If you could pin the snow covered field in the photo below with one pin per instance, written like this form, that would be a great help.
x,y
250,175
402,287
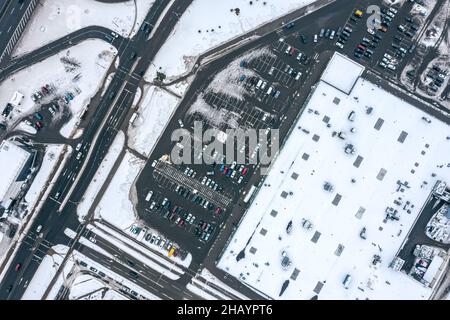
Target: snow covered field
x,y
81,67
392,143
101,175
220,21
154,113
45,273
86,287
115,205
55,19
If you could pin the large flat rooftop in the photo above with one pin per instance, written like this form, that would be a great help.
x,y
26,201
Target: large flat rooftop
x,y
392,143
12,160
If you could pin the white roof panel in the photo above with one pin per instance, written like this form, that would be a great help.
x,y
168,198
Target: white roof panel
x,y
12,160
342,72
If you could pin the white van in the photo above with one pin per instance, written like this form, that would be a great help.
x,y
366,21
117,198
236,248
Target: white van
x,y
149,196
269,91
258,85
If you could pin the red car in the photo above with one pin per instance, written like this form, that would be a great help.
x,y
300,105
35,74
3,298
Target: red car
x,y
225,170
244,171
218,211
18,266
39,124
360,46
181,223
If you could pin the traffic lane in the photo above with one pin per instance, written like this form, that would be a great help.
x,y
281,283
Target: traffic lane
x,y
29,262
58,45
127,259
10,21
146,279
48,202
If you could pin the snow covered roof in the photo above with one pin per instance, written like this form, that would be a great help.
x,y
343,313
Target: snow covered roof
x,y
342,72
433,269
391,145
17,98
12,160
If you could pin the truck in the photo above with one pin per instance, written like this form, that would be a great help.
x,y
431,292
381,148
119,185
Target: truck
x,y
133,118
149,196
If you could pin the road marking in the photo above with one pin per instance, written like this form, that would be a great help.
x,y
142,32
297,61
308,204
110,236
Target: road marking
x,y
14,8
9,29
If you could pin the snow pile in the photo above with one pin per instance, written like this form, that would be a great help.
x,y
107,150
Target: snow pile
x,y
101,175
220,118
227,81
115,205
220,21
437,26
53,20
154,113
79,70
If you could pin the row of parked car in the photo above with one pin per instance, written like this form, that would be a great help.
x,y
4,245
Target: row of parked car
x,y
234,171
158,241
204,230
39,94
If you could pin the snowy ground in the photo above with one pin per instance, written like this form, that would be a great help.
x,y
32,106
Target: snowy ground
x,y
219,22
115,205
154,112
204,289
101,175
332,248
71,274
46,272
53,20
86,287
90,60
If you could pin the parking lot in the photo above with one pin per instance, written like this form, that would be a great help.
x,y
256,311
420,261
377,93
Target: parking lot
x,y
190,203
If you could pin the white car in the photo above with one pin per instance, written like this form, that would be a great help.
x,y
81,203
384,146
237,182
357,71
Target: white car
x,y
288,50
79,155
382,64
388,56
92,239
39,228
28,123
298,76
390,14
371,31
391,67
78,147
340,45
315,38
180,123
52,112
393,10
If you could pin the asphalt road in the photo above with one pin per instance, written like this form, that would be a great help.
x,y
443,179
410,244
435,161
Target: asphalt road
x,y
11,14
123,86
